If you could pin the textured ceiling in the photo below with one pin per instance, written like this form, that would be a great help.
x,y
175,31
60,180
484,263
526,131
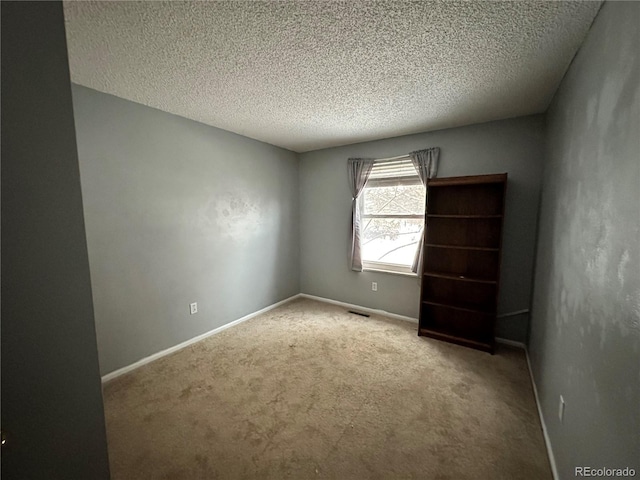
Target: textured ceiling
x,y
309,75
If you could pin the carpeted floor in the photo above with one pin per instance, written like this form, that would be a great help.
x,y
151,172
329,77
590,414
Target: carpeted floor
x,y
308,390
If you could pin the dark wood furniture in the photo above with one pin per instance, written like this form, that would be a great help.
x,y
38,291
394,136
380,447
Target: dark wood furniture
x,y
461,267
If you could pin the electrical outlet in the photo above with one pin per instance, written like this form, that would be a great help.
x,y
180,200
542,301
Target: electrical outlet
x,y
561,409
374,286
193,307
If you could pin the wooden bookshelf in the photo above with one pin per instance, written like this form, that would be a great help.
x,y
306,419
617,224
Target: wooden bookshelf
x,y
461,269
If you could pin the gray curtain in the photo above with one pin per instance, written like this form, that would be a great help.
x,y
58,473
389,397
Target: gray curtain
x,y
426,163
359,171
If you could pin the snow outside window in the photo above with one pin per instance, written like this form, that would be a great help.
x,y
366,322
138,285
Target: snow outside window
x,y
392,208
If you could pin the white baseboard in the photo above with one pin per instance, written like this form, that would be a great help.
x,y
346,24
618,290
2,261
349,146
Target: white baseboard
x,y
180,346
547,441
512,343
360,308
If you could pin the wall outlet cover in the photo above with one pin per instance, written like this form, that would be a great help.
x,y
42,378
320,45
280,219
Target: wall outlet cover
x,y
374,286
193,307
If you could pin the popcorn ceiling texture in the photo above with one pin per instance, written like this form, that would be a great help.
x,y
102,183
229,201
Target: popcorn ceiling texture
x,y
310,75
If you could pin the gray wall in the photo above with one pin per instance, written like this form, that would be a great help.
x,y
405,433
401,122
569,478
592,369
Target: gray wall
x,y
514,146
179,212
52,408
585,329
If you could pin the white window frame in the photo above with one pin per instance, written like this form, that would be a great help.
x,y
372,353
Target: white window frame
x,y
369,265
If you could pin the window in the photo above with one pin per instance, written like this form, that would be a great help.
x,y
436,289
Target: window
x,y
392,214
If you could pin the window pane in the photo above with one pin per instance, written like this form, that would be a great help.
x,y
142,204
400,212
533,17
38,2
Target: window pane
x,y
390,240
394,200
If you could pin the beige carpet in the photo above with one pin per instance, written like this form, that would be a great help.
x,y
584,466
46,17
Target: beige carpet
x,y
310,391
